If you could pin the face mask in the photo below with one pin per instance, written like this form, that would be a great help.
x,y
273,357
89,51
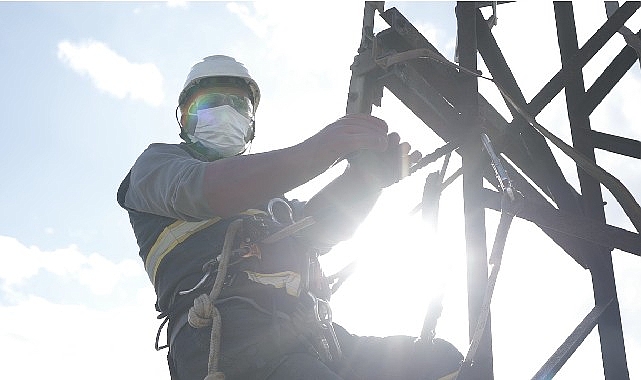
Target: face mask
x,y
222,129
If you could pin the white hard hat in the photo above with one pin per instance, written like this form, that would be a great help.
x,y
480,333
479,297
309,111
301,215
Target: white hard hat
x,y
220,66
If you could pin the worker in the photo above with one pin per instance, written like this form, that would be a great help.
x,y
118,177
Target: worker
x,y
274,319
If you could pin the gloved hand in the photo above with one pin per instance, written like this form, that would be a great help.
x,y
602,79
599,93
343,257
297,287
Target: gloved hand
x,y
347,135
382,169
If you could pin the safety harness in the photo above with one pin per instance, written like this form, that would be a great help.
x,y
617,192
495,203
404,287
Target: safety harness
x,y
175,234
234,277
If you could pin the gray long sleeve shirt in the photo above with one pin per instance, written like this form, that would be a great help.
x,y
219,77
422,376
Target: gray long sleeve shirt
x,y
166,180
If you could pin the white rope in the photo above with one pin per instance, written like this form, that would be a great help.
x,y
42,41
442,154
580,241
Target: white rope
x,y
204,311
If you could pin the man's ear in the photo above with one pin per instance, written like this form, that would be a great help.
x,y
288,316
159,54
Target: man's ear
x,y
252,129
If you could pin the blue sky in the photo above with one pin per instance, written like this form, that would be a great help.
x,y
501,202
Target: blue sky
x,y
87,86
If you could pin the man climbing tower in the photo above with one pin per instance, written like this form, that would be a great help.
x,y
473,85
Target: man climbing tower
x,y
235,264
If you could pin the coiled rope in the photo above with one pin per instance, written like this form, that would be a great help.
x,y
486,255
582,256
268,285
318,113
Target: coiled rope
x,y
204,312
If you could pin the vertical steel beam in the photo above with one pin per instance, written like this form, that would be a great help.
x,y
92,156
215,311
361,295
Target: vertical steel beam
x,y
363,91
474,209
603,283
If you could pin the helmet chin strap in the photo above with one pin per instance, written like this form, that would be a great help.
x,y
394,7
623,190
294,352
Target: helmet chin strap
x,y
201,152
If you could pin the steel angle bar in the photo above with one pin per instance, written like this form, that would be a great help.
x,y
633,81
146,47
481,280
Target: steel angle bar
x,y
423,100
403,36
496,63
620,192
617,144
587,51
609,78
405,30
569,346
601,269
630,38
531,153
548,218
528,149
574,247
362,91
475,231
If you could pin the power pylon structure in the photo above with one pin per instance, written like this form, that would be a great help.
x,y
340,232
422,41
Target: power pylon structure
x,y
445,96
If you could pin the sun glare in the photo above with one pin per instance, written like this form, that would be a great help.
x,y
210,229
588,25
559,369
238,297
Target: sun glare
x,y
401,266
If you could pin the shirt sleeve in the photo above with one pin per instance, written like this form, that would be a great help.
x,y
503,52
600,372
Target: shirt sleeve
x,y
167,181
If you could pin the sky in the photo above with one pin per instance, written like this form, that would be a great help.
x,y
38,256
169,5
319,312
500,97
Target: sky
x,y
87,86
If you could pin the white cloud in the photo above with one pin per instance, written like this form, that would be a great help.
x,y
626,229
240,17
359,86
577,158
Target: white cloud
x,y
255,24
313,56
280,25
74,342
112,73
19,263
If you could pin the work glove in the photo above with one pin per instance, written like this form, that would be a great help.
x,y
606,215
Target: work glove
x,y
382,169
346,136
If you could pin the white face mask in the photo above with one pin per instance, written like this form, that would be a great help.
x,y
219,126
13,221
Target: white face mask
x,y
222,129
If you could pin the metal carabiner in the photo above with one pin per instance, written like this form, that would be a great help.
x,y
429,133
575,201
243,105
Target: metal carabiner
x,y
270,210
323,314
197,286
499,170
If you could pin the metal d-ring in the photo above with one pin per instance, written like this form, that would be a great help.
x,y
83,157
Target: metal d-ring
x,y
270,210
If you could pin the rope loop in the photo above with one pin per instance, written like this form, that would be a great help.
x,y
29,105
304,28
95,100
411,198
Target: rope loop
x,y
202,313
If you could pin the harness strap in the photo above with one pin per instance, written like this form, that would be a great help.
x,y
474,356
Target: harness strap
x,y
204,311
168,239
181,322
175,234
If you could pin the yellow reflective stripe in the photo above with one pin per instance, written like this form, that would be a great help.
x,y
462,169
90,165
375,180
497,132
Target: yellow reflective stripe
x,y
288,280
175,234
170,237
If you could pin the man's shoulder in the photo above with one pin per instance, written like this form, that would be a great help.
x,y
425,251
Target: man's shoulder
x,y
158,154
164,149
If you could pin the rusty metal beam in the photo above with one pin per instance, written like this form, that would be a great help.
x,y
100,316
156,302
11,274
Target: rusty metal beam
x,y
471,152
550,219
449,103
583,55
609,78
569,346
542,166
432,91
603,284
616,144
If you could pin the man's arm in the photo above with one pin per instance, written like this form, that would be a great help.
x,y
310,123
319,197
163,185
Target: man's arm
x,y
233,184
342,205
